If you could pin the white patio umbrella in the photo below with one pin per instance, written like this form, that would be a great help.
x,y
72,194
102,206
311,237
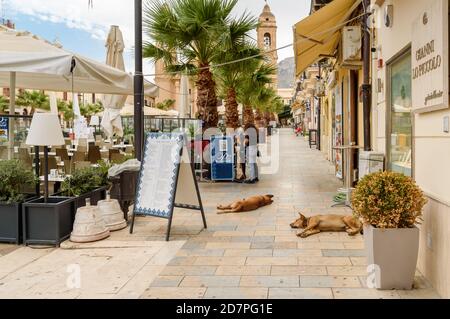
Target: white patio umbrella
x,y
111,121
184,91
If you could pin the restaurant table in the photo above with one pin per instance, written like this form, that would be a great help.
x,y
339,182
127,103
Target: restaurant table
x,y
348,181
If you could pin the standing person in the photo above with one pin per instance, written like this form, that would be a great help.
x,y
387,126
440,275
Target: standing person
x,y
251,142
240,141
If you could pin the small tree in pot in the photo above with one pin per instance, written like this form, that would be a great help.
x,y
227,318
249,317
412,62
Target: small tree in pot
x,y
390,205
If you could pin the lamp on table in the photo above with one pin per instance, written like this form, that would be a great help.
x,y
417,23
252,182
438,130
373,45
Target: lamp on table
x,y
45,130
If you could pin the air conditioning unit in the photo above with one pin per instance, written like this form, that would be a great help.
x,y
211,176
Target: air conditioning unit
x,y
351,47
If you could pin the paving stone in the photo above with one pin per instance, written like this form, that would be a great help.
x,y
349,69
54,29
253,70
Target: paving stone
x,y
167,281
296,252
343,253
188,270
363,293
271,261
329,282
210,281
270,281
326,261
298,270
248,252
228,245
219,261
243,270
347,270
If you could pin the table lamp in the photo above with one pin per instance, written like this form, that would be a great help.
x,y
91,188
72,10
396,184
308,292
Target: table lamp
x,y
45,130
95,121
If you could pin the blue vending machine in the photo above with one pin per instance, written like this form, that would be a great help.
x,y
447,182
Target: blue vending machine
x,y
222,158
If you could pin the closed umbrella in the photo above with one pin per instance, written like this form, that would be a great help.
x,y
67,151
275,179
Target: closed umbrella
x,y
184,107
111,121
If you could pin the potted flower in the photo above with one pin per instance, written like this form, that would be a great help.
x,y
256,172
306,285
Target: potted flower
x,y
14,180
390,205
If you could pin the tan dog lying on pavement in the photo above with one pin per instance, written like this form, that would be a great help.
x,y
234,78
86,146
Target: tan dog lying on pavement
x,y
327,223
246,205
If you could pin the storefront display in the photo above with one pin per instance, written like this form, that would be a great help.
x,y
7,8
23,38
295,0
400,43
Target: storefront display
x,y
400,148
338,132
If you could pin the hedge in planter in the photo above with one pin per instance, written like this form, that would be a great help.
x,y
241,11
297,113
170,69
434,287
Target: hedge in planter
x,y
14,178
87,183
390,205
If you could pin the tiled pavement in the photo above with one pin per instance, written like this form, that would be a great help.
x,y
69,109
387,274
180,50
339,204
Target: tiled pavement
x,y
249,255
257,255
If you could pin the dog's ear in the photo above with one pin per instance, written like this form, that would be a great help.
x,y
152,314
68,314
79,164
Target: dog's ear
x,y
302,216
270,196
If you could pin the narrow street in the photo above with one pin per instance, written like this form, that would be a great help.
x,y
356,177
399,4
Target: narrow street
x,y
247,255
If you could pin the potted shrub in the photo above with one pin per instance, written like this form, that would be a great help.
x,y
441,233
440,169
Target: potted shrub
x,y
14,180
390,205
87,183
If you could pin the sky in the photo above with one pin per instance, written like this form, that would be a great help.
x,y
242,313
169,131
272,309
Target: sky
x,y
82,29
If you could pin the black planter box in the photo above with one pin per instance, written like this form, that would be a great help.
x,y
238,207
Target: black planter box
x,y
48,223
11,222
95,196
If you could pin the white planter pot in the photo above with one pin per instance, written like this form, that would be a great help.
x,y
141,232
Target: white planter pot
x,y
392,255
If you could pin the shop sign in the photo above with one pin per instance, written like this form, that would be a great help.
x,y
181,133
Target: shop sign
x,y
430,61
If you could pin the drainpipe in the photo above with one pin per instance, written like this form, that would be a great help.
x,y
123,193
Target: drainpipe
x,y
138,81
366,86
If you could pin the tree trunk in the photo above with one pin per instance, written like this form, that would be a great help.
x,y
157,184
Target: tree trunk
x,y
259,118
207,99
267,118
249,115
231,110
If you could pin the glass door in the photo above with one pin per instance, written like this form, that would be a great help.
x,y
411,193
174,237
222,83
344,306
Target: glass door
x,y
400,117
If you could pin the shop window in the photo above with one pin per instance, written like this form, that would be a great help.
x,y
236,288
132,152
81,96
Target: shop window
x,y
400,117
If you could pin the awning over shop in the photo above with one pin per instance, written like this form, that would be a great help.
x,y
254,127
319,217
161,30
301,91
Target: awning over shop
x,y
319,34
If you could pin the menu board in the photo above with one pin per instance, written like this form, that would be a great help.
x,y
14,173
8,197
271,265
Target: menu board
x,y
159,175
4,128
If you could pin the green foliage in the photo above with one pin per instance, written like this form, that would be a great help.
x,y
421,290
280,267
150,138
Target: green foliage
x,y
14,177
90,109
252,85
165,105
86,180
33,99
4,104
388,200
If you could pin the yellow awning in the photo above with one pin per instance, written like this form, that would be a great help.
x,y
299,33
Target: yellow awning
x,y
319,34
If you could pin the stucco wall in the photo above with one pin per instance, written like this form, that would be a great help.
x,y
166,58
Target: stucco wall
x,y
431,163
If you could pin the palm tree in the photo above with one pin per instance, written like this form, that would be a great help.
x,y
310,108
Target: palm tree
x,y
187,35
4,104
237,47
251,88
33,99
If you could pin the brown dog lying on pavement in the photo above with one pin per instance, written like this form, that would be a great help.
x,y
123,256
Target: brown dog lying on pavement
x,y
327,223
246,205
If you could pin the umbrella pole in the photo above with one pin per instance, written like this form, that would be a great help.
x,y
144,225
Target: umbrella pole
x,y
138,81
12,111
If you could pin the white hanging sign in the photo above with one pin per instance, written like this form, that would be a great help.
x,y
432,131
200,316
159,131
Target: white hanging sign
x,y
430,61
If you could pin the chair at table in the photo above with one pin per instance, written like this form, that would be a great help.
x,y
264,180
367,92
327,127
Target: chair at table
x,y
82,165
69,167
51,165
62,153
94,154
79,156
113,151
98,138
81,148
117,158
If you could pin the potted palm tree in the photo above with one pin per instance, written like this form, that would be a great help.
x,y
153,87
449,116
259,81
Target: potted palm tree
x,y
390,205
14,180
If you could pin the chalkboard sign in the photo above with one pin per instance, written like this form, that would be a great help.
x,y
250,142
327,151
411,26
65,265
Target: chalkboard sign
x,y
167,179
222,158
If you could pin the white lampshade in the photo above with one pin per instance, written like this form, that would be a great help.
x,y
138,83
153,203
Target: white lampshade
x,y
95,120
45,130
